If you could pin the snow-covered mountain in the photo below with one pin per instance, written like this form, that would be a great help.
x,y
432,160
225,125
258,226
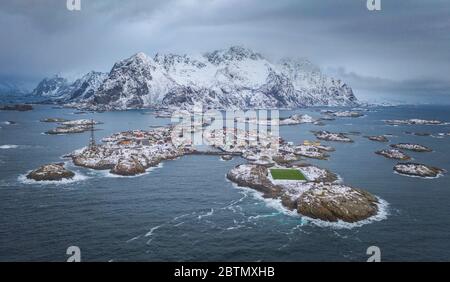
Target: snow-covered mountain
x,y
58,89
51,87
232,78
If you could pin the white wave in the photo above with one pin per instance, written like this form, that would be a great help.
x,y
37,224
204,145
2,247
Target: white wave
x,y
78,177
107,173
6,147
133,239
211,212
151,232
235,227
272,203
277,205
181,216
9,123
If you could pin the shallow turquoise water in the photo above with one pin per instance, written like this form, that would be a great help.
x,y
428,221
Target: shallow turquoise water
x,y
186,210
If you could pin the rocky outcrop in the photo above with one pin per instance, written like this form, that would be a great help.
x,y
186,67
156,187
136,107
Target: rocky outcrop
x,y
316,174
378,138
411,147
329,136
68,130
53,120
71,126
393,154
51,172
350,114
419,170
422,134
226,157
297,119
334,202
311,151
18,107
414,121
128,167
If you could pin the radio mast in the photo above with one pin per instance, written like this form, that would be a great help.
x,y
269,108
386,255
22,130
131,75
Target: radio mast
x,y
92,139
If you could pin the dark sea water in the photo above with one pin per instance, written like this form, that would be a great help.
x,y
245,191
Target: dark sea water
x,y
186,210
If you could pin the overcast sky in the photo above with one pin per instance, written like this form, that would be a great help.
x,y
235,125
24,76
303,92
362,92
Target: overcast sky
x,y
401,52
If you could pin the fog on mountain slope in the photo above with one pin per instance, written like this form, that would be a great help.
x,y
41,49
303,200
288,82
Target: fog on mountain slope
x,y
233,78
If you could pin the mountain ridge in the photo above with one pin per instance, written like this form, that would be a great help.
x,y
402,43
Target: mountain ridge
x,y
236,77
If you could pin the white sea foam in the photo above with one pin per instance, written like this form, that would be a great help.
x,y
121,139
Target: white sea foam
x,y
210,213
6,147
78,177
152,230
133,239
107,173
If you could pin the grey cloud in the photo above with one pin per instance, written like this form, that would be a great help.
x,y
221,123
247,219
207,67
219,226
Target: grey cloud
x,y
407,40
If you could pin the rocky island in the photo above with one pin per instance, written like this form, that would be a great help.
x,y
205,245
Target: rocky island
x,y
418,170
327,201
414,121
53,120
51,172
393,154
329,136
313,151
72,126
378,138
411,147
297,119
350,114
131,152
18,107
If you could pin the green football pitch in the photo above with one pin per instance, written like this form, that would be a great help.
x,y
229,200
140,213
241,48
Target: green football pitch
x,y
287,174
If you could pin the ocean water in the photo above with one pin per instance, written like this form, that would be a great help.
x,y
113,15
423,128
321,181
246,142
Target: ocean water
x,y
186,210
